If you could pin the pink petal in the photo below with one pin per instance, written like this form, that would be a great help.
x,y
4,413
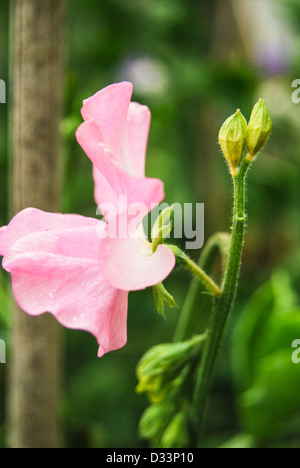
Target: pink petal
x,y
82,242
118,169
33,220
109,108
129,264
75,292
131,160
110,181
90,139
138,124
59,272
115,191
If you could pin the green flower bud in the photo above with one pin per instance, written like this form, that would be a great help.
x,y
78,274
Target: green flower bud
x,y
176,434
154,420
162,227
161,365
232,139
259,128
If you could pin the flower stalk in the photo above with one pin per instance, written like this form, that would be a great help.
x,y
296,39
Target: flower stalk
x,y
196,270
217,245
223,306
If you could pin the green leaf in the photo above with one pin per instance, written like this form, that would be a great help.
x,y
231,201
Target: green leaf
x,y
274,396
266,376
244,441
250,328
268,310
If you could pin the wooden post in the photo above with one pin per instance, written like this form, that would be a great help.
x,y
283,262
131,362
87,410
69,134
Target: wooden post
x,y
37,36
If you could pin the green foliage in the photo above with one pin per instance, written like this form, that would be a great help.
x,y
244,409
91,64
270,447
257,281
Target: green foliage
x,y
267,378
176,434
162,369
166,373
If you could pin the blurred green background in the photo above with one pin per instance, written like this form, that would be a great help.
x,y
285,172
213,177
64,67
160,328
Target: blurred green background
x,y
193,63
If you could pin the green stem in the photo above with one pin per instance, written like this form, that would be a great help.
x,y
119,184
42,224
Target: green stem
x,y
222,307
195,302
198,272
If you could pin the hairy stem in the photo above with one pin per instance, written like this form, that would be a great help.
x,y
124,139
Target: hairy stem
x,y
195,302
197,271
222,306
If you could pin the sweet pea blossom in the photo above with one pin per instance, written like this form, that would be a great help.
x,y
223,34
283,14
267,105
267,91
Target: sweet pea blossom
x,y
70,265
114,136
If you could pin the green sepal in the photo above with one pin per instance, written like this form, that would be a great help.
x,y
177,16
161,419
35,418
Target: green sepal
x,y
162,296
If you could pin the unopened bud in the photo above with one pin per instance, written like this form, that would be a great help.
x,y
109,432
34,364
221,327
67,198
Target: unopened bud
x,y
232,139
161,366
154,420
162,227
259,128
162,219
176,434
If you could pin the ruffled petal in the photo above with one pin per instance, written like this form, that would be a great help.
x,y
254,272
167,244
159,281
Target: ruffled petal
x,y
90,139
116,127
59,272
118,173
75,292
33,220
81,243
138,125
130,265
116,192
109,109
132,162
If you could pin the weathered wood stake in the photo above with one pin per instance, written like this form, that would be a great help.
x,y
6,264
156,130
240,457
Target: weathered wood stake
x,y
36,96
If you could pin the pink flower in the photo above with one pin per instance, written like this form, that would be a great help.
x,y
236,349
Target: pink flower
x,y
69,265
114,136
